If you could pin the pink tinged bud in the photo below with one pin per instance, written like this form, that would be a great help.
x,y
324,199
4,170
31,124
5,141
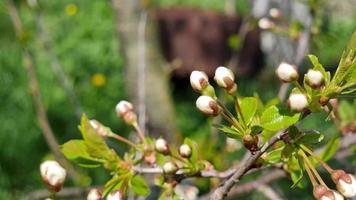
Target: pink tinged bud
x,y
287,72
94,194
53,175
314,78
346,185
199,80
124,109
185,151
297,102
115,195
99,128
170,168
208,105
265,23
322,193
161,146
225,78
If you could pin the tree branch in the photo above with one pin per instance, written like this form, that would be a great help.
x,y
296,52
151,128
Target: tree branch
x,y
224,188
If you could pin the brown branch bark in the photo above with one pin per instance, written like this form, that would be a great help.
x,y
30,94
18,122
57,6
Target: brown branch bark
x,y
36,94
224,188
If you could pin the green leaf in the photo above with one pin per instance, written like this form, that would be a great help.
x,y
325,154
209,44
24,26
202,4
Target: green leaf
x,y
297,173
330,149
76,150
311,137
287,152
275,119
194,157
274,156
95,144
248,108
139,186
231,132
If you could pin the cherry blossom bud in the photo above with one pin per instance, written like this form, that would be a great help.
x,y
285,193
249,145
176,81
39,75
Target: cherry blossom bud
x,y
275,13
314,78
199,80
53,175
99,128
287,72
208,105
322,193
250,142
94,194
115,195
124,109
265,23
185,151
345,183
297,102
225,78
161,146
170,168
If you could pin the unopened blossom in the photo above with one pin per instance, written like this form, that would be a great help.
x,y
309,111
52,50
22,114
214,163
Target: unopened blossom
x,y
314,78
185,151
287,72
124,109
265,23
225,78
170,167
94,194
298,102
99,128
53,175
199,80
115,195
161,146
275,13
345,183
323,193
207,105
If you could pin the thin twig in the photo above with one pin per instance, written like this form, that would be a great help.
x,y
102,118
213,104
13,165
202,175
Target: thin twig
x,y
36,94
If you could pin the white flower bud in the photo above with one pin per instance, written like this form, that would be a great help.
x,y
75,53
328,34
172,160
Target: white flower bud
x,y
123,107
170,168
161,146
199,80
115,195
185,151
265,23
94,194
314,78
99,128
275,13
322,193
225,78
53,175
287,72
207,105
345,183
297,102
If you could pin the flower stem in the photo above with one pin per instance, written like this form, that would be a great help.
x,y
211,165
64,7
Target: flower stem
x,y
238,108
311,176
296,83
317,175
122,139
139,132
326,166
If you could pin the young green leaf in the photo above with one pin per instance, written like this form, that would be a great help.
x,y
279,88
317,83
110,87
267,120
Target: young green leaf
x,y
139,186
330,149
248,108
231,132
274,156
275,119
76,150
311,137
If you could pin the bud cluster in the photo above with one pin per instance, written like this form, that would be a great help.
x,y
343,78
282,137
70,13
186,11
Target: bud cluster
x,y
53,175
345,183
323,193
124,110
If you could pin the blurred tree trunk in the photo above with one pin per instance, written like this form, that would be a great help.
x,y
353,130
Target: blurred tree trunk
x,y
142,51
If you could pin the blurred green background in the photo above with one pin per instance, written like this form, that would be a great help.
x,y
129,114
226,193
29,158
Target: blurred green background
x,y
85,41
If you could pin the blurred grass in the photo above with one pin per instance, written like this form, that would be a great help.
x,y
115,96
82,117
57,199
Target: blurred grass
x,y
84,39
